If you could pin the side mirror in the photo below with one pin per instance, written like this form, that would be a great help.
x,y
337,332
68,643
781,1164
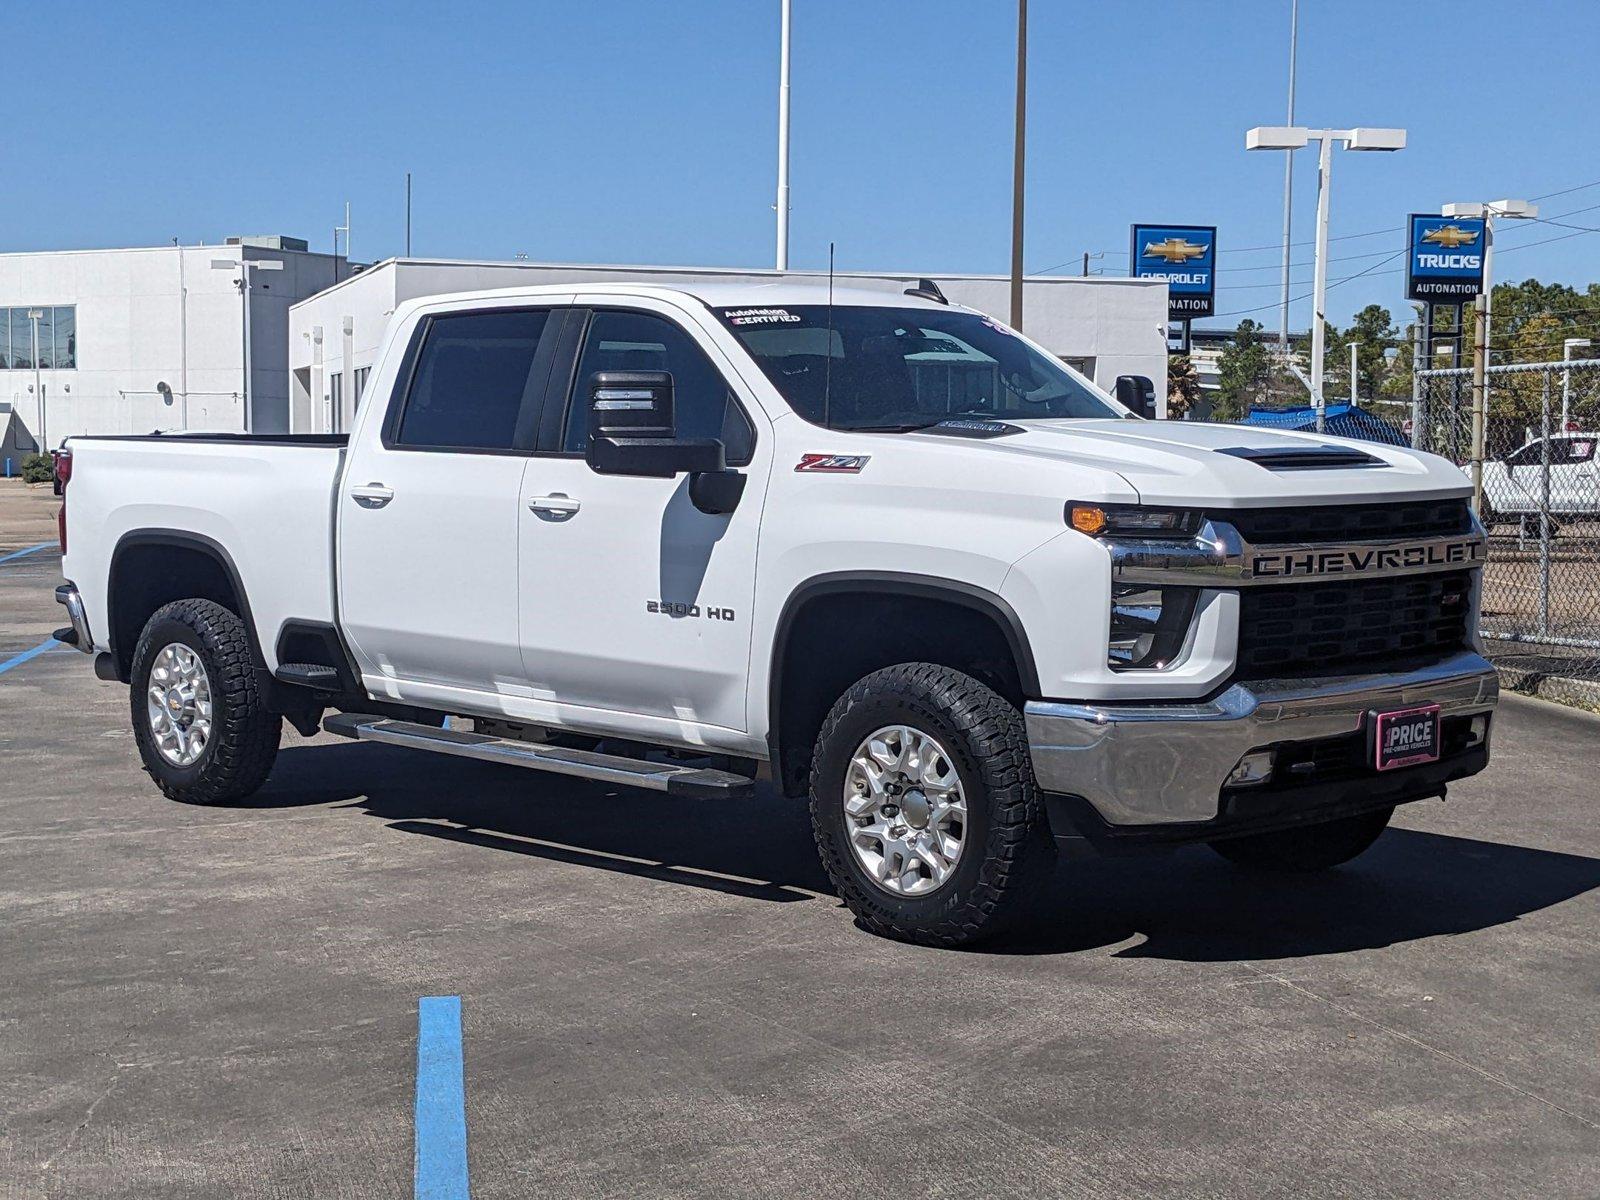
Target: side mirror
x,y
1137,393
632,430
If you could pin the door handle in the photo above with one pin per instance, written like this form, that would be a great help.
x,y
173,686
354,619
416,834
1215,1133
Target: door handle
x,y
372,495
556,504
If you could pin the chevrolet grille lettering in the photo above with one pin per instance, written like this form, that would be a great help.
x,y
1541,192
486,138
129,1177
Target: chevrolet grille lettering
x,y
1291,564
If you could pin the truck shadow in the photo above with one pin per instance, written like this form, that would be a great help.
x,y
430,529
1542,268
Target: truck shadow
x,y
1189,905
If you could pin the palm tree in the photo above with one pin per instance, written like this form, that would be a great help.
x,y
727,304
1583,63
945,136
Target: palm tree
x,y
1183,387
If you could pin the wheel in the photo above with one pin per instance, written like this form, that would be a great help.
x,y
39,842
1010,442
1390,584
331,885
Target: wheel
x,y
923,805
1308,848
198,719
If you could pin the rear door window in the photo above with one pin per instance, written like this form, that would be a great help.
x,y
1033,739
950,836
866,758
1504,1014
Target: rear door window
x,y
476,375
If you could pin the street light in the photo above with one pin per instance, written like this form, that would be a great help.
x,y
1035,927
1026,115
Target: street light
x,y
1297,137
247,267
1567,347
1483,310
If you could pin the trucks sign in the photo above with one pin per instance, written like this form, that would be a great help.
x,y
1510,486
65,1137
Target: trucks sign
x,y
1186,257
1444,264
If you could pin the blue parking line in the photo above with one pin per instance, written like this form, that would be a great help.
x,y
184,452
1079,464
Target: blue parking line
x,y
17,660
441,1115
29,550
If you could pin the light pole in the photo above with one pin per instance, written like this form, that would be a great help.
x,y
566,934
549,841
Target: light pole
x,y
1482,312
1017,157
1296,137
783,139
1567,347
1288,188
35,315
247,267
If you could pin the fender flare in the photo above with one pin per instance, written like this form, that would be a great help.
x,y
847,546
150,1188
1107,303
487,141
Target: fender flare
x,y
931,587
186,540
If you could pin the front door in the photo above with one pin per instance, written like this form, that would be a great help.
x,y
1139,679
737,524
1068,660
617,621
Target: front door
x,y
633,601
428,517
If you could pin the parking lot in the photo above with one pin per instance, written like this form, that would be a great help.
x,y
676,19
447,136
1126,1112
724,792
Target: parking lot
x,y
661,997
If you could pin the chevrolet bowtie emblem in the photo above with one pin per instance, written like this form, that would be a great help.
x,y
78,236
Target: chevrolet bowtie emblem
x,y
1174,250
1451,236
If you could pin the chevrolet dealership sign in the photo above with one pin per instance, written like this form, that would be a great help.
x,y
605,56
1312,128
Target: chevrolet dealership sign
x,y
1444,264
1186,257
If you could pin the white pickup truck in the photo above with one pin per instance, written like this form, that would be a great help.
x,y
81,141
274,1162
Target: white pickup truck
x,y
877,548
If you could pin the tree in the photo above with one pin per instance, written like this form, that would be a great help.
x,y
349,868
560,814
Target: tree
x,y
1244,369
1183,387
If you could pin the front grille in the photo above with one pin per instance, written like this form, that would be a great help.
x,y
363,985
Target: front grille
x,y
1344,627
1350,522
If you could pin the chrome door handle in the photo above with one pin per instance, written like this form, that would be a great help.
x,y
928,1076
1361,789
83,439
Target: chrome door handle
x,y
372,495
555,503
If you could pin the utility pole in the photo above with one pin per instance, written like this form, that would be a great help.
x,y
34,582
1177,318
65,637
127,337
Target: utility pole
x,y
783,139
1288,188
1017,164
408,214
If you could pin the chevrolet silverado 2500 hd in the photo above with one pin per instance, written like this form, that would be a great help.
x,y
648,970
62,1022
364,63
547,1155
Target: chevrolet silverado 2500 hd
x,y
881,549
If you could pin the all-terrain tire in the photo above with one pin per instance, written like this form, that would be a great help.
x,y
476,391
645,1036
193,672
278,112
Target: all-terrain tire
x,y
1005,846
244,735
1308,848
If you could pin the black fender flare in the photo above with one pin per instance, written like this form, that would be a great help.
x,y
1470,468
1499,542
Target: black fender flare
x,y
931,587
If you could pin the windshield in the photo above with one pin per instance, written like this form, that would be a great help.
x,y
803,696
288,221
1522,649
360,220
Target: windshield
x,y
853,367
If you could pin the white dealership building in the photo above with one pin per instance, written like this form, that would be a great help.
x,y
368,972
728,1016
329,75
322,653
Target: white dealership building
x,y
134,340
1103,326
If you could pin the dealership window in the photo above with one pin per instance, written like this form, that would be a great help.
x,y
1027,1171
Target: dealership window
x,y
58,337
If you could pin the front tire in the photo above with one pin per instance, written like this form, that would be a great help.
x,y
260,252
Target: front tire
x,y
1308,848
199,721
924,807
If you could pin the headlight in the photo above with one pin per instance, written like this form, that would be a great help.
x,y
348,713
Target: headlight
x,y
1131,520
1148,625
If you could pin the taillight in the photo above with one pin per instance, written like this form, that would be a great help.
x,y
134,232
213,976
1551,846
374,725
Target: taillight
x,y
63,473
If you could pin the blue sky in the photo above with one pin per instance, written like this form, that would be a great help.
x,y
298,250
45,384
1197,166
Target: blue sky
x,y
634,131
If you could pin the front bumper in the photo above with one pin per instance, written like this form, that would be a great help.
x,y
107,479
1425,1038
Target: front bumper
x,y
1145,765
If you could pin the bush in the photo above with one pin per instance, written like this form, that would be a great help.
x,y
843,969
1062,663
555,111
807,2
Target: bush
x,y
38,468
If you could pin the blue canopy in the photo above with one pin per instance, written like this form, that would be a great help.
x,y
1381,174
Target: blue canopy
x,y
1341,420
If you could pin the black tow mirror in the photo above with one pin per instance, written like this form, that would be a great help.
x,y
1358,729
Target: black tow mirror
x,y
632,430
1137,393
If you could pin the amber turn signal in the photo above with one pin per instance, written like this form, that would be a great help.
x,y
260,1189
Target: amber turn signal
x,y
1087,518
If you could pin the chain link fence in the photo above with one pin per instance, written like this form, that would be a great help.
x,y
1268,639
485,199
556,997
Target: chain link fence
x,y
1540,497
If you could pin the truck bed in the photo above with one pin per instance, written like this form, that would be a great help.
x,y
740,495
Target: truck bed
x,y
264,500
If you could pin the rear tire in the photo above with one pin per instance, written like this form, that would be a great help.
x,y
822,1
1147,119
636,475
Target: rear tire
x,y
214,741
959,753
1308,848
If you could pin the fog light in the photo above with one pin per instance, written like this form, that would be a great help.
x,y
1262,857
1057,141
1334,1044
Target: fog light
x,y
1255,767
1148,625
1478,731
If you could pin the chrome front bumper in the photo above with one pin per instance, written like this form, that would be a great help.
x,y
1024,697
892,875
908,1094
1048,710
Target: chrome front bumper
x,y
1166,763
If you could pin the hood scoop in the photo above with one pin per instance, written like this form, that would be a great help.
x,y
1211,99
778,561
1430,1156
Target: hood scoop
x,y
1305,458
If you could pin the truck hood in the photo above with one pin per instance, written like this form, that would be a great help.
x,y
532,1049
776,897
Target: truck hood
x,y
1188,462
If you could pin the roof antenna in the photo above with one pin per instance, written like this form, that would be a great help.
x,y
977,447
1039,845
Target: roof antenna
x,y
827,349
927,289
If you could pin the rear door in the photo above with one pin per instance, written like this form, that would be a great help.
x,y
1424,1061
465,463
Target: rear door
x,y
430,504
634,601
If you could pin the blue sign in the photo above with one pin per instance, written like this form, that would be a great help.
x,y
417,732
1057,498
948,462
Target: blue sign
x,y
1445,261
1186,257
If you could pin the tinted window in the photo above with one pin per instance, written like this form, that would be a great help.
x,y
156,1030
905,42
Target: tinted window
x,y
470,380
702,402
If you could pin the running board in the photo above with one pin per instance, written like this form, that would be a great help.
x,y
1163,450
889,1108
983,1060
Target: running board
x,y
699,783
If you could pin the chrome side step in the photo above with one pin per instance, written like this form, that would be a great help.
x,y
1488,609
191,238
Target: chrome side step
x,y
700,783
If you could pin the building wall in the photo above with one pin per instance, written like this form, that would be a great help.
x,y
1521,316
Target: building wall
x,y
1109,327
159,338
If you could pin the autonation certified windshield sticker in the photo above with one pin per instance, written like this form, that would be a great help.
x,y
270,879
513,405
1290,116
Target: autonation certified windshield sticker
x,y
760,316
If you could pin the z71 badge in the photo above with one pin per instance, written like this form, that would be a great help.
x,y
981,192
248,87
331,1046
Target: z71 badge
x,y
833,464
